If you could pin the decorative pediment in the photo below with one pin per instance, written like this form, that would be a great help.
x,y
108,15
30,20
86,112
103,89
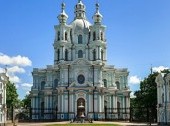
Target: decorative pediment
x,y
87,84
81,62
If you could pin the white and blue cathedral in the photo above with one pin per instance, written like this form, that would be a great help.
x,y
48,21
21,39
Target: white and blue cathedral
x,y
80,83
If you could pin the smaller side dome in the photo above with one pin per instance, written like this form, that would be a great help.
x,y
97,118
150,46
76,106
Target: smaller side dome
x,y
97,16
62,17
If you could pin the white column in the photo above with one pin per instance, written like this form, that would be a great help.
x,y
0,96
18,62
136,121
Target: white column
x,y
100,77
69,54
102,103
46,102
37,106
71,103
32,102
74,53
62,103
50,101
99,52
55,54
99,102
90,103
105,54
86,53
110,105
58,103
115,103
95,75
61,53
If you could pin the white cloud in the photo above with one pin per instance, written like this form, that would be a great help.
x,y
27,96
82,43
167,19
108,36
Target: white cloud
x,y
134,80
15,69
26,86
15,60
132,95
17,85
28,92
11,73
14,79
159,69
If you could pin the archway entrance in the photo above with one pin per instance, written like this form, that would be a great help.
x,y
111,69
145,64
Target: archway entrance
x,y
80,107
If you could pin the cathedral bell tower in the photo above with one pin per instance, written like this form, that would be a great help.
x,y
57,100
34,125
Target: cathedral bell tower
x,y
62,42
97,40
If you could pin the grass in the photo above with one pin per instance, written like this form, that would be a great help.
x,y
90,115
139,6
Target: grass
x,y
84,125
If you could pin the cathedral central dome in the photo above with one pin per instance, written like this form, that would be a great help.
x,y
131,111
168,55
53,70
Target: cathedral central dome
x,y
80,24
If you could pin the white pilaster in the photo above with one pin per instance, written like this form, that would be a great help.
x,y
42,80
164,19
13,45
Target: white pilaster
x,y
90,103
59,102
99,102
62,103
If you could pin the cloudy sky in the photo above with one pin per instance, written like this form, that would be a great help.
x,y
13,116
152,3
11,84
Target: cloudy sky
x,y
137,36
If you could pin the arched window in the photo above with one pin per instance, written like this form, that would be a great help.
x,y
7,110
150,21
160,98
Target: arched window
x,y
105,82
66,38
66,55
94,54
71,35
118,85
80,54
58,56
89,35
102,57
55,83
94,36
163,98
80,39
102,36
42,85
58,36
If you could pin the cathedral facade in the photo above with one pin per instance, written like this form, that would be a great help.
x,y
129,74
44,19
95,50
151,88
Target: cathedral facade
x,y
80,83
163,98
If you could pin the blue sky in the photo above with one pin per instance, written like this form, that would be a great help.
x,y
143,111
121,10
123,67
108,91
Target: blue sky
x,y
137,35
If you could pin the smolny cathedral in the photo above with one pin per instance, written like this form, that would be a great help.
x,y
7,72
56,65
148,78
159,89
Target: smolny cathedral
x,y
80,83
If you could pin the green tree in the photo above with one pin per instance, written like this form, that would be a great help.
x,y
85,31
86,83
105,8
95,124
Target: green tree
x,y
27,101
12,100
11,95
146,98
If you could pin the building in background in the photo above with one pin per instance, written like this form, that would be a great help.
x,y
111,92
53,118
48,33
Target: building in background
x,y
163,97
80,83
3,109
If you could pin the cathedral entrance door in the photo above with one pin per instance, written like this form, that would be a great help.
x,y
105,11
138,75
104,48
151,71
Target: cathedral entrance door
x,y
80,107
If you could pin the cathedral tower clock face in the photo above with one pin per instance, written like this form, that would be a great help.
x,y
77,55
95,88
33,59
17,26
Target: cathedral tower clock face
x,y
81,79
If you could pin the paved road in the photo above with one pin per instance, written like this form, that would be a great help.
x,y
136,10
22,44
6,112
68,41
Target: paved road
x,y
96,122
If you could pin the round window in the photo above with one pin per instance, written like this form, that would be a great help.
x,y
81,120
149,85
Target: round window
x,y
80,79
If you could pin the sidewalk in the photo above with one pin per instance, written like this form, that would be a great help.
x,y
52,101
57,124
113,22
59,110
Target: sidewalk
x,y
95,122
